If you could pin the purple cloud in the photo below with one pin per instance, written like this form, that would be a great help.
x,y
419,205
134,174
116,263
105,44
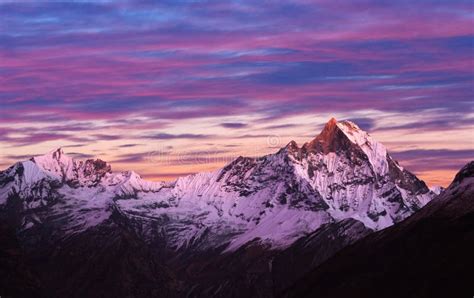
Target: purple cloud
x,y
77,69
433,159
233,125
128,145
167,136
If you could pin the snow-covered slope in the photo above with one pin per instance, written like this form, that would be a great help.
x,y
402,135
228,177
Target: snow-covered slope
x,y
279,198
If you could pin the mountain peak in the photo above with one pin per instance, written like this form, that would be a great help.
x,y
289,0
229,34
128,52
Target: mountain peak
x,y
346,135
332,121
346,126
466,172
55,162
57,153
330,126
331,139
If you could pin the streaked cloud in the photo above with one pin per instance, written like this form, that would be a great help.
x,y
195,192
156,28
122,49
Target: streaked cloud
x,y
233,125
168,136
118,77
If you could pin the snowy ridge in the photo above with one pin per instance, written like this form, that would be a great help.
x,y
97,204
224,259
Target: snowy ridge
x,y
375,151
57,164
343,173
129,182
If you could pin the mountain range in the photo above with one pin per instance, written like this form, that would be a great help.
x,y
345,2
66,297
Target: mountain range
x,y
259,227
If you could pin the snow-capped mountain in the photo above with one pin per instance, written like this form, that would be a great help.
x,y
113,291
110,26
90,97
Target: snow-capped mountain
x,y
342,173
336,188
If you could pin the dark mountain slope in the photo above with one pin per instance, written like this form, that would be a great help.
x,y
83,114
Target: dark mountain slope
x,y
109,260
16,277
255,270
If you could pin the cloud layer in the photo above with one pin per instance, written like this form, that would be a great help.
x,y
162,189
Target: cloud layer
x,y
92,72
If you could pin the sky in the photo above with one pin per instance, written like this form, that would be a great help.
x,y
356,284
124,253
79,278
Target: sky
x,y
168,88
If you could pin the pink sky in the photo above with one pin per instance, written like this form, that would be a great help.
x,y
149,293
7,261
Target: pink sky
x,y
172,88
